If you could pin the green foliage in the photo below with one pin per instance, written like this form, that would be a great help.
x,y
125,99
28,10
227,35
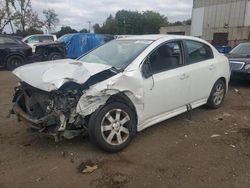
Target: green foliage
x,y
29,31
132,22
65,30
178,23
83,31
97,28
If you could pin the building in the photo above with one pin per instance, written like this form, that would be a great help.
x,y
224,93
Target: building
x,y
176,30
221,22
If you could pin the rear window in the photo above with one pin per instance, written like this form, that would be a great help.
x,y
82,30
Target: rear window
x,y
6,40
198,51
47,38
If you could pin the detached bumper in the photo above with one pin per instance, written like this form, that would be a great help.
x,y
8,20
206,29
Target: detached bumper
x,y
240,74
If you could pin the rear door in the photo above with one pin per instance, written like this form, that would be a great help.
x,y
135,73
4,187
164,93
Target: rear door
x,y
201,67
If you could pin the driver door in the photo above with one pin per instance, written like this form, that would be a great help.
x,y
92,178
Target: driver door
x,y
166,91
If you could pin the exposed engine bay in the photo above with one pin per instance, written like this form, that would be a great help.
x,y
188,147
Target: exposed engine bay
x,y
52,113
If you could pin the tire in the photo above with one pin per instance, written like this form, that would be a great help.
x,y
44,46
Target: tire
x,y
55,56
217,95
120,127
14,61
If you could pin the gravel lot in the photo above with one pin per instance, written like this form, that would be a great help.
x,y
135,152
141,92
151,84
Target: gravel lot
x,y
211,150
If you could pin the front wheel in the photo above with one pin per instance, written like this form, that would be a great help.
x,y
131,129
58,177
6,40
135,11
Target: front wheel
x,y
14,61
55,56
112,127
217,94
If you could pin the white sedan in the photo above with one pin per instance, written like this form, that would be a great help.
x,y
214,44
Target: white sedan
x,y
121,88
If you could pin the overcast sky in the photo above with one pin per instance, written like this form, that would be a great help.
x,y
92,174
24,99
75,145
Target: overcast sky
x,y
76,13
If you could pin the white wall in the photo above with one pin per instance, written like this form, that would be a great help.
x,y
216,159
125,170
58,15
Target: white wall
x,y
247,15
197,22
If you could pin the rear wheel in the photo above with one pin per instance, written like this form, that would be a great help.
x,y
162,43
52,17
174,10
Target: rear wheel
x,y
112,127
55,56
217,95
14,61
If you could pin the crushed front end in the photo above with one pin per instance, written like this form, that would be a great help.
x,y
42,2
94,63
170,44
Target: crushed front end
x,y
51,113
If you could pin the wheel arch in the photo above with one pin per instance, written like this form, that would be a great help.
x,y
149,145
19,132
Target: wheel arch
x,y
125,99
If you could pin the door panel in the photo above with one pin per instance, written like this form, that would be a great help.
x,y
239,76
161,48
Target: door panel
x,y
201,67
168,92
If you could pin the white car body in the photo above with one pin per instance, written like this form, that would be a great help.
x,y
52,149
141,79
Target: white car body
x,y
33,40
156,98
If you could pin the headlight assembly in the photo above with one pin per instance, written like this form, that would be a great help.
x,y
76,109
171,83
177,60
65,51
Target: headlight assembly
x,y
247,67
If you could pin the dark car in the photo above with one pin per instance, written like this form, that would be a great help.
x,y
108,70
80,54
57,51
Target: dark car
x,y
50,51
70,46
239,59
13,52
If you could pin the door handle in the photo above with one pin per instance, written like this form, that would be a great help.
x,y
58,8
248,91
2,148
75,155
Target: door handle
x,y
184,76
211,67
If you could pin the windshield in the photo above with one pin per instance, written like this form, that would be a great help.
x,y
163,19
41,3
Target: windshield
x,y
242,49
117,53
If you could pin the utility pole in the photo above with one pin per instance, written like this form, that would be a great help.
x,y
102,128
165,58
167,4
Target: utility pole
x,y
89,25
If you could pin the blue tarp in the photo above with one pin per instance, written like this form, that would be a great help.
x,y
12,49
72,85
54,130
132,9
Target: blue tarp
x,y
79,43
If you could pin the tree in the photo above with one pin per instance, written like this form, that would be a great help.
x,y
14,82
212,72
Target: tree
x,y
153,21
132,22
83,31
65,30
97,28
51,19
24,17
5,14
110,26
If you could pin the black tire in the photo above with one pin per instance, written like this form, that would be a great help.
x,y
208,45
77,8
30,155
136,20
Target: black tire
x,y
212,102
14,61
55,56
98,118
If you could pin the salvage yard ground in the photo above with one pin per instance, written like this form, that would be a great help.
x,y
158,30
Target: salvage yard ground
x,y
211,150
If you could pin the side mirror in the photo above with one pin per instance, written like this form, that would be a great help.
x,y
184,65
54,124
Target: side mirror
x,y
146,69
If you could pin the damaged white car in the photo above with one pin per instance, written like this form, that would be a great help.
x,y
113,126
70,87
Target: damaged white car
x,y
120,88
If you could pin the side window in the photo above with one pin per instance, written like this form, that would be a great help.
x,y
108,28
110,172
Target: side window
x,y
166,57
198,51
33,39
1,40
9,41
47,39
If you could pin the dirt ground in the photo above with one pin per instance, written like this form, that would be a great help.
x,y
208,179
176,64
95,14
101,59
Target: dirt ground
x,y
212,150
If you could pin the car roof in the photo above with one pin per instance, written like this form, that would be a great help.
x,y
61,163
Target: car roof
x,y
159,36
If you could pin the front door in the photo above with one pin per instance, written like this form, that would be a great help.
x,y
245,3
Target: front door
x,y
167,89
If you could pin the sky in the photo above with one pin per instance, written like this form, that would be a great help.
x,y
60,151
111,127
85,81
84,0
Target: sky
x,y
77,13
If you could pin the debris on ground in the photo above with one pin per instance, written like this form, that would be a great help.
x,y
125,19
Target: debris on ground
x,y
233,146
236,90
39,179
116,180
245,131
214,135
87,167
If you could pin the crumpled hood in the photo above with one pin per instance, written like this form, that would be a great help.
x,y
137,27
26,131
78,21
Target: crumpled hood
x,y
51,75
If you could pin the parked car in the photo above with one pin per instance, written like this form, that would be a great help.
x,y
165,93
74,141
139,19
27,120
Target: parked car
x,y
120,88
239,59
13,52
33,40
70,46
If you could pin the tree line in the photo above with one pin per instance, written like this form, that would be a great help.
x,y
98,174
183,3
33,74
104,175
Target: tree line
x,y
23,21
19,14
